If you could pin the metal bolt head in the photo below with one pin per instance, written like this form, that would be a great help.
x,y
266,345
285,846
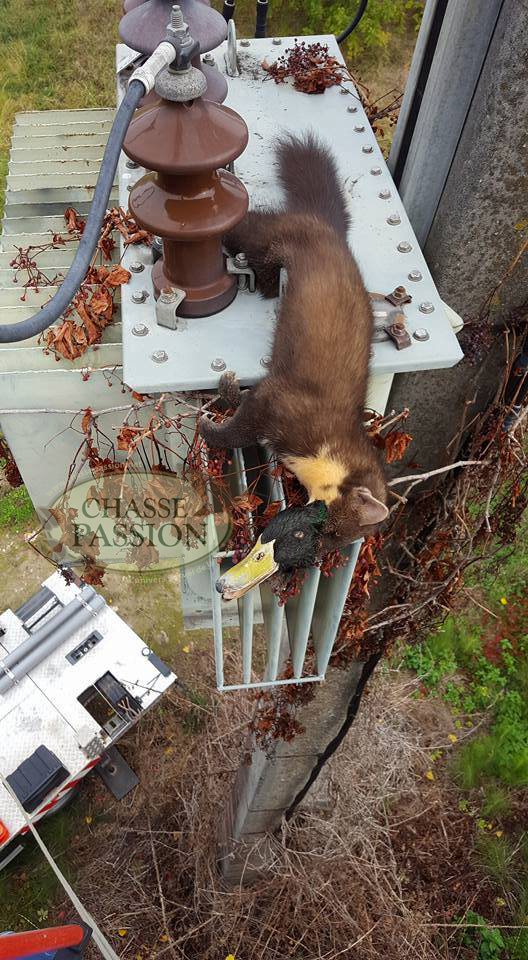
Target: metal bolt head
x,y
394,219
129,186
415,275
421,334
277,41
132,165
352,108
367,148
218,365
384,194
136,266
241,260
375,171
208,58
244,43
404,247
343,92
167,295
399,293
359,128
139,296
426,307
140,330
159,356
265,361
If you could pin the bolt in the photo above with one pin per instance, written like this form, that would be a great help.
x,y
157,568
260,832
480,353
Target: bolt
x,y
129,187
265,361
132,165
394,219
159,356
384,194
277,41
404,247
241,260
218,364
421,334
177,21
140,330
352,108
398,323
244,43
415,275
367,148
359,128
208,58
167,295
137,266
399,293
139,296
375,171
343,92
426,307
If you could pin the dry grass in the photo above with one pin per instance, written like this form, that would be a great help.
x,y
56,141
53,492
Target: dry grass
x,y
334,886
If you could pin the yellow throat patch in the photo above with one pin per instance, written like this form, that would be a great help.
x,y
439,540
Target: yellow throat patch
x,y
321,475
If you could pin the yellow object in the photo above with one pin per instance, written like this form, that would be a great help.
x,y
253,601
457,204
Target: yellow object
x,y
452,738
122,933
259,564
429,775
186,649
504,601
321,475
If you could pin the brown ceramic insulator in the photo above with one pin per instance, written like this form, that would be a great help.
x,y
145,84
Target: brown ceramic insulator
x,y
189,199
144,27
131,5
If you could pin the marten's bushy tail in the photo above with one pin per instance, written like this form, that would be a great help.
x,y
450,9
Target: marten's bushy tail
x,y
309,177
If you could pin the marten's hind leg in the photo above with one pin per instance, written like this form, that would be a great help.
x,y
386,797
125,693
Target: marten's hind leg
x,y
255,236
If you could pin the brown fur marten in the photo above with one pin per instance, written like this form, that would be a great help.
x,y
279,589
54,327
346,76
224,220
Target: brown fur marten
x,y
309,407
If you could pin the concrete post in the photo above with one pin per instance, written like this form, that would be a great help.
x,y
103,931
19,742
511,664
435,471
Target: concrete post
x,y
475,233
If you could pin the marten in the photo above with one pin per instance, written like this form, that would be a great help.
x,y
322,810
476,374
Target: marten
x,y
309,408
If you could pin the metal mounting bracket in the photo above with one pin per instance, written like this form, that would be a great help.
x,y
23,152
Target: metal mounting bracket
x,y
167,306
246,276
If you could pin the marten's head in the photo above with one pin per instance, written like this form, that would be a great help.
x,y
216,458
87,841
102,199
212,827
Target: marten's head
x,y
300,536
355,513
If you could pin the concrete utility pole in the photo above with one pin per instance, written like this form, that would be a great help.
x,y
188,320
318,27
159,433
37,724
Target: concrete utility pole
x,y
461,160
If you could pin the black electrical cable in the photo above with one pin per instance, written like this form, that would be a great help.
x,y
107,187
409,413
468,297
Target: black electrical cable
x,y
12,332
229,10
262,15
353,23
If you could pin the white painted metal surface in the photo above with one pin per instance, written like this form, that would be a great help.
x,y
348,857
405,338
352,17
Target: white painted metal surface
x,y
241,334
43,708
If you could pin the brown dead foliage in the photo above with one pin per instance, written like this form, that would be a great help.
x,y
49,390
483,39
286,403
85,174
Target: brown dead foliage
x,y
370,879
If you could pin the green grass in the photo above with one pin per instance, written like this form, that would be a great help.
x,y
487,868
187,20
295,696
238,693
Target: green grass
x,y
16,509
477,662
28,887
58,54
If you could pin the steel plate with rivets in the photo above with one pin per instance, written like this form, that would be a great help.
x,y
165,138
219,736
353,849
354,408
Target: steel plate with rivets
x,y
381,238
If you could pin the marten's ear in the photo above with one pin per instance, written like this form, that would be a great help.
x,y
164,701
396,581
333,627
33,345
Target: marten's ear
x,y
370,510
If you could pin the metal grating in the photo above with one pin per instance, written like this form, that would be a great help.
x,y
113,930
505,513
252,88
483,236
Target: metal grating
x,y
53,163
313,614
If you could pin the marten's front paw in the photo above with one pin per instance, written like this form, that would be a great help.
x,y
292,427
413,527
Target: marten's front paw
x,y
229,389
209,430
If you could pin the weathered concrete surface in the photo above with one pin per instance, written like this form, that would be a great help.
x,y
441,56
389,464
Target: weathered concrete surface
x,y
474,238
267,786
